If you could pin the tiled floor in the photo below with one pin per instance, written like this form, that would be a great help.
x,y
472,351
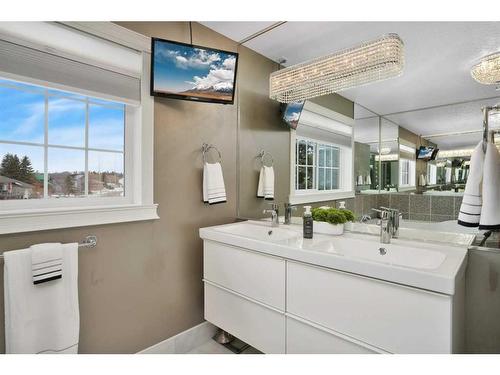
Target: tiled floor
x,y
211,347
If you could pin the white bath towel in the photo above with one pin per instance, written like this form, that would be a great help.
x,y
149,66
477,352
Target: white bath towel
x,y
42,318
490,213
472,202
368,179
214,190
46,262
360,180
265,189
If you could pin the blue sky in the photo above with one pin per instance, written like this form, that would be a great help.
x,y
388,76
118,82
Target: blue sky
x,y
179,68
22,118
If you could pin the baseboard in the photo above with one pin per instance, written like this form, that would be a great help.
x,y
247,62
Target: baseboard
x,y
183,342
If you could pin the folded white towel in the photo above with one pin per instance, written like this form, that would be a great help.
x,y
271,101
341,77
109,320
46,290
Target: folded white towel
x,y
46,262
214,190
490,213
265,189
368,179
360,180
470,210
42,318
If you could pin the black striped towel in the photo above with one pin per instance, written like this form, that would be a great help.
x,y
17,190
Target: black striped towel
x,y
46,262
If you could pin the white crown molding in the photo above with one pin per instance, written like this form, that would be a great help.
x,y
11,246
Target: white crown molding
x,y
115,33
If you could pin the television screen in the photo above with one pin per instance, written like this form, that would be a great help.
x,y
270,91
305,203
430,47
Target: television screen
x,y
189,72
434,154
291,114
425,152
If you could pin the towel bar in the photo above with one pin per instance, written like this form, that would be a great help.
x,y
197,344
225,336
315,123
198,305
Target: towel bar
x,y
88,243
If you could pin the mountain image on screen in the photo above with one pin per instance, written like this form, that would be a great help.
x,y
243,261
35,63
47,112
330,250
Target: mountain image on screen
x,y
193,72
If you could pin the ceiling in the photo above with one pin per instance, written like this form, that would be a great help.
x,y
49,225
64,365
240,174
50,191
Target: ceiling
x,y
438,58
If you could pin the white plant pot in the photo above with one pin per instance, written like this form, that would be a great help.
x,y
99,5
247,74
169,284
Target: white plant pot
x,y
323,227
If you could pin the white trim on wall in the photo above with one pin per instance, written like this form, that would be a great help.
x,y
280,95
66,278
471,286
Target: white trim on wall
x,y
137,205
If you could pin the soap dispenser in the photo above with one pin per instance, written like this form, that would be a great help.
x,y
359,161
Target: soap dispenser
x,y
308,222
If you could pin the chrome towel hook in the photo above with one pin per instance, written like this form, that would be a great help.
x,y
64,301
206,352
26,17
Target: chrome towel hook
x,y
205,148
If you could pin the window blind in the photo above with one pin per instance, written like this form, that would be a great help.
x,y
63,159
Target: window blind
x,y
21,61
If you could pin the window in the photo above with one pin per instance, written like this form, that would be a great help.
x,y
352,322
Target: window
x,y
76,127
406,173
317,166
322,148
55,144
431,174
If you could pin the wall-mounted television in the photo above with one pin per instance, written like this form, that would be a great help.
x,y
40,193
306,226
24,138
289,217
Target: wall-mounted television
x,y
190,72
291,113
426,152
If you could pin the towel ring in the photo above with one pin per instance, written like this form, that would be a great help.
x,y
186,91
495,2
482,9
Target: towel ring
x,y
205,148
262,155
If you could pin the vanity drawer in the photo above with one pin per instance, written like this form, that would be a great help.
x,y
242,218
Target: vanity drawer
x,y
258,276
261,327
396,318
304,338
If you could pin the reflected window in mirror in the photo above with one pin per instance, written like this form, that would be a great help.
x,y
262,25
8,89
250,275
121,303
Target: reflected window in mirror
x,y
317,166
406,173
431,174
322,147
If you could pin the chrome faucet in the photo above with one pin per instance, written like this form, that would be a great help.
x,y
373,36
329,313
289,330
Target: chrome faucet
x,y
288,213
395,217
385,225
274,214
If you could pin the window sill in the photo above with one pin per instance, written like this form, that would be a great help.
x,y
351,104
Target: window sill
x,y
320,197
36,220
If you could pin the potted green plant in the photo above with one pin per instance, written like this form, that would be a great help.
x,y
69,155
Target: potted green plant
x,y
328,220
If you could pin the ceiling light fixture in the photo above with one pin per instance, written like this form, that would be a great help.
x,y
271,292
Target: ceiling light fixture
x,y
368,62
487,71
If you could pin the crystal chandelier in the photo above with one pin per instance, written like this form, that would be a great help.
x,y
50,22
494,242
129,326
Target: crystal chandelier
x,y
368,62
487,71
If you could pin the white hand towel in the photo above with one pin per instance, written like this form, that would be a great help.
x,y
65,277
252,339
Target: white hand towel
x,y
490,213
42,318
360,180
470,210
214,190
46,262
368,179
265,189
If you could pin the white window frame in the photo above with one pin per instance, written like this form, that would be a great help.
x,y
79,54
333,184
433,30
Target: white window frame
x,y
346,179
137,204
431,174
411,174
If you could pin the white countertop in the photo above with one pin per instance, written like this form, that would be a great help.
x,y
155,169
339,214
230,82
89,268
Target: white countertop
x,y
425,265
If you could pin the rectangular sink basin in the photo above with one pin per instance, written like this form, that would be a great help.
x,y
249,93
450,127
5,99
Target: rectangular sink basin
x,y
260,232
393,254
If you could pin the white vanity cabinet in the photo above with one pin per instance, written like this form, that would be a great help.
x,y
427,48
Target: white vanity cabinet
x,y
279,305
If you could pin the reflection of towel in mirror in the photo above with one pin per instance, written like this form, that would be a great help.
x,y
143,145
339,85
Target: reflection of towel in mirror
x,y
214,190
368,179
490,213
265,188
422,181
470,210
360,180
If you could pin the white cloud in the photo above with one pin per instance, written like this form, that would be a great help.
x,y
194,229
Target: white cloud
x,y
200,59
219,79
